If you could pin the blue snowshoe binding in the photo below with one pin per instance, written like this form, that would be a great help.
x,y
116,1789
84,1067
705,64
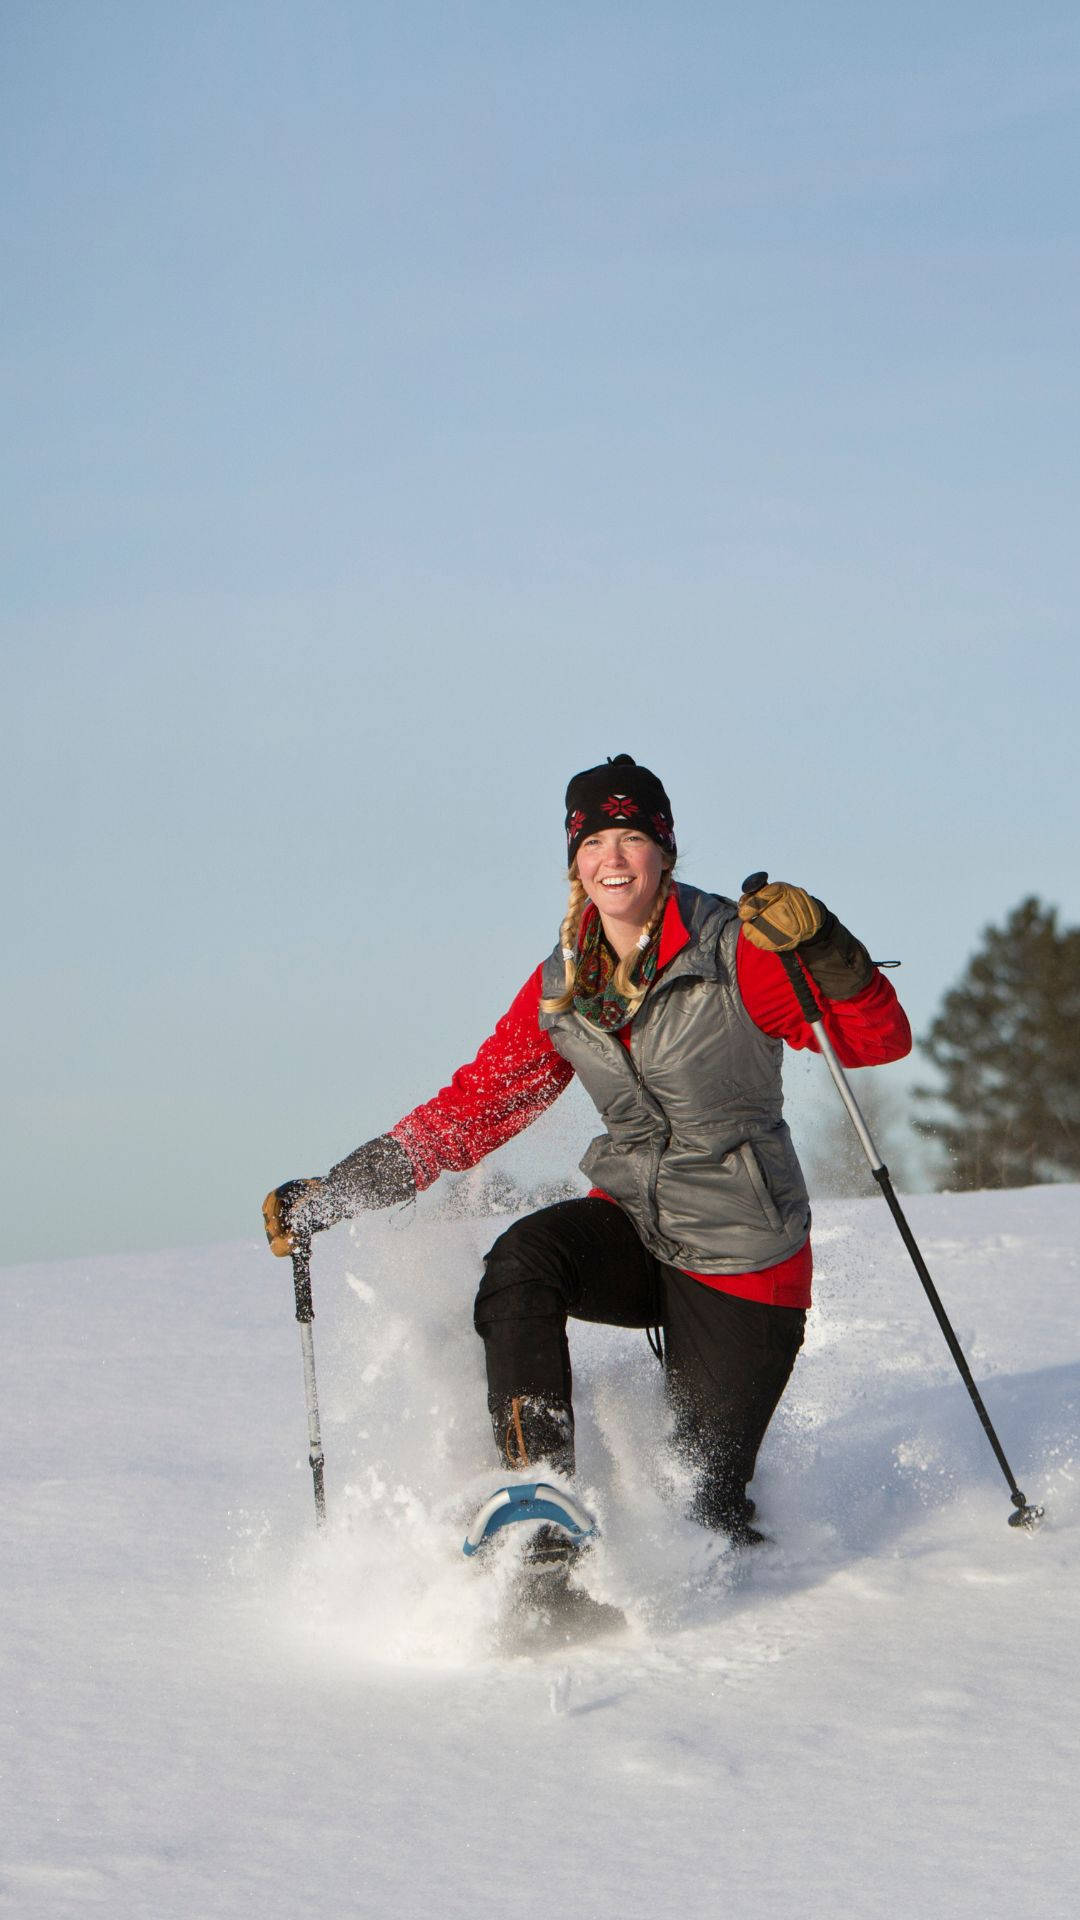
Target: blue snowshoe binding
x,y
567,1526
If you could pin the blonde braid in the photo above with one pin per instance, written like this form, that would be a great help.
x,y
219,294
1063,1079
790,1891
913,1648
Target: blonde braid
x,y
621,982
568,934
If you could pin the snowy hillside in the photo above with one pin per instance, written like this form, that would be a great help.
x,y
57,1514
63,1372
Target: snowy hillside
x,y
209,1711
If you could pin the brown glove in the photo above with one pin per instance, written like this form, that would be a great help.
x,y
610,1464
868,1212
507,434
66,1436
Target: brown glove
x,y
779,918
378,1174
285,1214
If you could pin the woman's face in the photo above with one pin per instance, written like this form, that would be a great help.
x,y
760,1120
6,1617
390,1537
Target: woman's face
x,y
621,870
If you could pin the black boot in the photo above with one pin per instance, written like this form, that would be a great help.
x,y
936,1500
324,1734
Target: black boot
x,y
730,1511
530,1432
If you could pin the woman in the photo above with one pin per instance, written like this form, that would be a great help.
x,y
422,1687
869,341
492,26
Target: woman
x,y
671,1006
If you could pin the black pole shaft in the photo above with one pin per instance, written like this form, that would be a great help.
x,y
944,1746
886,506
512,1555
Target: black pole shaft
x,y
1025,1514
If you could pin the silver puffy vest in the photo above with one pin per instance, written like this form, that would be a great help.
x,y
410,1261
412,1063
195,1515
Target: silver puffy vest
x,y
695,1149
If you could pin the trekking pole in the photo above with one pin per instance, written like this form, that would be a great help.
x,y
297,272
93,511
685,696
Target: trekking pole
x,y
1026,1515
305,1313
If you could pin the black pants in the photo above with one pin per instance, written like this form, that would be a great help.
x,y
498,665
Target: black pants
x,y
727,1360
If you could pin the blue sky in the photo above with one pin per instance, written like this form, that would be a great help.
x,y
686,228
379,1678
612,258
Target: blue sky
x,y
409,405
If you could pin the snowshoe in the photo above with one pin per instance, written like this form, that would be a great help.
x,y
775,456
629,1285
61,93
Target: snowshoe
x,y
547,1607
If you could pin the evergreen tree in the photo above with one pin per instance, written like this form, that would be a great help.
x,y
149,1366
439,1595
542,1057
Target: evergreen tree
x,y
1007,1045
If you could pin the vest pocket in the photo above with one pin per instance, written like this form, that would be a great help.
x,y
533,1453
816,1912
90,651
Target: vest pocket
x,y
758,1182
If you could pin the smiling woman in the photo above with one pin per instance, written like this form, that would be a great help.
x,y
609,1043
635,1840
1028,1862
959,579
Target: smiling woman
x,y
670,1005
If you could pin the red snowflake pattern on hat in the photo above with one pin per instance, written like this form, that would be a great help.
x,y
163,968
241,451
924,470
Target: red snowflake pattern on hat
x,y
620,806
575,824
663,828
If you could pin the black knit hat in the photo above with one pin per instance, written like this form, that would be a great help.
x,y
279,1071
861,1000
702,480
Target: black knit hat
x,y
617,794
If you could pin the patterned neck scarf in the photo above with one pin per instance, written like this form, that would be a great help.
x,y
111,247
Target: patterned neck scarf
x,y
595,997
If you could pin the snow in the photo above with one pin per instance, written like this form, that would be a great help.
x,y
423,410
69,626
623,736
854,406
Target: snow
x,y
210,1710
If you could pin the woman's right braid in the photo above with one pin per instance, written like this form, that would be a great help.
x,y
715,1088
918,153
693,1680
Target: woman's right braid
x,y
568,934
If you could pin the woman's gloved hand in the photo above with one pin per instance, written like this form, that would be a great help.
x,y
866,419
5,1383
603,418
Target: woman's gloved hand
x,y
378,1174
289,1214
780,917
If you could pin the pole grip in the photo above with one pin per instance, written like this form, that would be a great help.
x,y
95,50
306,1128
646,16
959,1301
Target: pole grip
x,y
808,1006
301,1267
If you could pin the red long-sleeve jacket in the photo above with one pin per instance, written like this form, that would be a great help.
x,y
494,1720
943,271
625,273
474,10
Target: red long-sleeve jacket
x,y
517,1074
